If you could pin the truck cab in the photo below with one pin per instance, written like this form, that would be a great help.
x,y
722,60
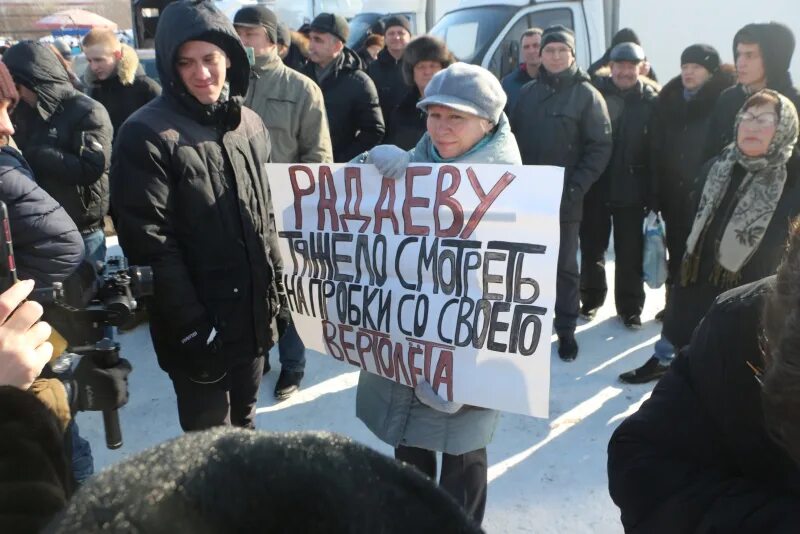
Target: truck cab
x,y
488,34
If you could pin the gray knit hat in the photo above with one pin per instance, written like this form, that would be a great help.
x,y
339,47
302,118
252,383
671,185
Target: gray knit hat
x,y
468,88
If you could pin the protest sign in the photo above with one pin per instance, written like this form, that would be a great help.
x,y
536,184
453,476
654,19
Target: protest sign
x,y
447,275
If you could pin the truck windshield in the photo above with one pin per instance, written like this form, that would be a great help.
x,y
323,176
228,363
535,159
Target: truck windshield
x,y
469,32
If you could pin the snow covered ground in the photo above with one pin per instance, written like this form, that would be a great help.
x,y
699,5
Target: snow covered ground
x,y
545,476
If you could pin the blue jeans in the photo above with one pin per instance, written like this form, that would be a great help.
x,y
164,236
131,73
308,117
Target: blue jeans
x,y
95,243
664,350
291,349
82,461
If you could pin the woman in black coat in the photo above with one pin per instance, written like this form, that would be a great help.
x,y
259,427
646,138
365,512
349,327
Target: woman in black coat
x,y
750,192
714,450
423,57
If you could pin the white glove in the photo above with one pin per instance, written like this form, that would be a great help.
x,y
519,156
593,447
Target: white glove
x,y
428,397
390,160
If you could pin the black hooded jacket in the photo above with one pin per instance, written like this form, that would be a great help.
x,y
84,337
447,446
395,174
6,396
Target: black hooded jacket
x,y
66,138
562,120
697,457
777,47
47,244
193,200
387,73
351,102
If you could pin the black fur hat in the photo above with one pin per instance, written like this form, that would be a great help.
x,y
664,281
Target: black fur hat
x,y
425,48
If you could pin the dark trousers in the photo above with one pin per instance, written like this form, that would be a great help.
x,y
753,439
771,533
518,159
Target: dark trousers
x,y
567,280
628,246
291,350
231,401
463,476
677,230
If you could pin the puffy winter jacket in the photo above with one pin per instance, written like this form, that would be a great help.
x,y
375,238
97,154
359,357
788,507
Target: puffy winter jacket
x,y
125,91
193,200
351,102
387,73
697,457
66,139
47,244
562,120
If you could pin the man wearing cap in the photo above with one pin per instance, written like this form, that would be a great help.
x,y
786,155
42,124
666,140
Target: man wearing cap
x,y
293,111
678,131
531,44
387,71
763,53
621,193
351,100
193,201
561,120
66,138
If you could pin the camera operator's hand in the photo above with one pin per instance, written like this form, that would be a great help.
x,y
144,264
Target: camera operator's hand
x,y
24,349
98,388
200,347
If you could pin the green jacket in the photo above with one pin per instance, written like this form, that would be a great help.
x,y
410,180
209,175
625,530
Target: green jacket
x,y
293,111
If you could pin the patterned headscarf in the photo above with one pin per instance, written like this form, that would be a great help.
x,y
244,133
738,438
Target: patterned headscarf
x,y
756,199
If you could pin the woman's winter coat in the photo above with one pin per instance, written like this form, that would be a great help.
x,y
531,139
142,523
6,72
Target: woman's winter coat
x,y
408,124
696,457
689,304
47,244
193,201
391,410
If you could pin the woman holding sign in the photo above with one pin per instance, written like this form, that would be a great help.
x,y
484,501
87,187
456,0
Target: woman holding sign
x,y
465,124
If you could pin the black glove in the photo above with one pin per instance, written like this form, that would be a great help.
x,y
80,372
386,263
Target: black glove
x,y
97,388
203,359
284,317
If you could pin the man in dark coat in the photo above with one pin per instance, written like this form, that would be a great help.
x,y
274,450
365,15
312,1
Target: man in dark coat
x,y
561,120
531,45
47,244
115,77
763,53
66,138
678,133
697,456
387,70
351,100
621,193
193,202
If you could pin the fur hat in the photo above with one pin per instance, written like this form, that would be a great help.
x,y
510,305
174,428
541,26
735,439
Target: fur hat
x,y
702,54
425,48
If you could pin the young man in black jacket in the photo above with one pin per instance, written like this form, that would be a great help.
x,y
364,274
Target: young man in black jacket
x,y
114,76
355,119
66,138
193,201
561,120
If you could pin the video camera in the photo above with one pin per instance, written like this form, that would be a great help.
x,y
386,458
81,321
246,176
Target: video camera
x,y
85,308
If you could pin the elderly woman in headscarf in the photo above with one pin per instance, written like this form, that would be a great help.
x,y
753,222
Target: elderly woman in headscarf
x,y
750,192
465,124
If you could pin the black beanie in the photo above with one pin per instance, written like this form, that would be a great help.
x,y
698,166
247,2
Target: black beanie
x,y
558,34
776,41
336,25
625,35
258,16
703,55
396,20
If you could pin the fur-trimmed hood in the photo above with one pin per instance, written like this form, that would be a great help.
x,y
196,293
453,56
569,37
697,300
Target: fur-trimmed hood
x,y
671,97
128,68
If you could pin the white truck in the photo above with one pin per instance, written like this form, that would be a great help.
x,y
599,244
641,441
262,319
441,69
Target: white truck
x,y
488,33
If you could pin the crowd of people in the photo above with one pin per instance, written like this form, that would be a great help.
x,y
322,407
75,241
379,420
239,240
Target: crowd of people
x,y
178,168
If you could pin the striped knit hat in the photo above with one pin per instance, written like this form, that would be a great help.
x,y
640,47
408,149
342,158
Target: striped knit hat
x,y
7,88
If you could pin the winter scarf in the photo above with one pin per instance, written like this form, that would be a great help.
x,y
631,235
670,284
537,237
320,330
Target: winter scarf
x,y
754,203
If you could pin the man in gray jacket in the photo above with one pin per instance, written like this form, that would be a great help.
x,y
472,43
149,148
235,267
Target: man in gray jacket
x,y
561,120
293,110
